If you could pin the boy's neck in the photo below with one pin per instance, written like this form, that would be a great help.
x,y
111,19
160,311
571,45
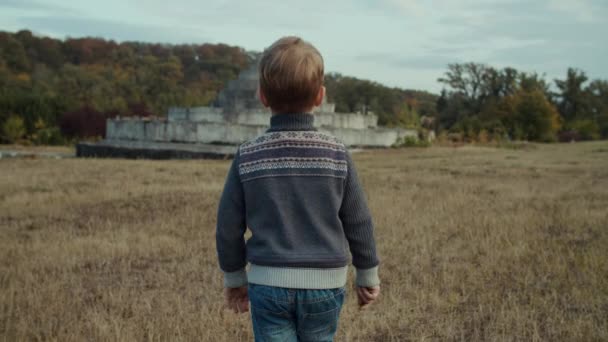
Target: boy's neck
x,y
292,122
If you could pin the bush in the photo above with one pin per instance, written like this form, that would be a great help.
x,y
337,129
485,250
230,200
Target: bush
x,y
442,137
48,136
44,135
455,137
411,141
537,119
13,129
483,137
586,129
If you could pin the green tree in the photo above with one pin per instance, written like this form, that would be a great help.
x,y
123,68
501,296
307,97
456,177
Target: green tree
x,y
472,94
451,109
532,81
573,101
14,54
598,89
407,116
467,80
354,95
536,116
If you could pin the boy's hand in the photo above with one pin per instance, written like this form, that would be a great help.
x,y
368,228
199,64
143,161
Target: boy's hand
x,y
237,299
367,295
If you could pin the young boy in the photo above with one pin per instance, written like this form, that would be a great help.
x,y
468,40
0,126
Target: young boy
x,y
297,191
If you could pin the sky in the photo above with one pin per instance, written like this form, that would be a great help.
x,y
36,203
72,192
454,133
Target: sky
x,y
399,43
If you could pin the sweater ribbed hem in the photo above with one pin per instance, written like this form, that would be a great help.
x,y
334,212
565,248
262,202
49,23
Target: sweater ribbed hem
x,y
298,278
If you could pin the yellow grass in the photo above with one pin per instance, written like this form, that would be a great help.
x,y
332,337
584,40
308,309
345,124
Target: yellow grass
x,y
475,244
35,148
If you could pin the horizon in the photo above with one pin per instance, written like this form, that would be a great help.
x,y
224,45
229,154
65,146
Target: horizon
x,y
546,38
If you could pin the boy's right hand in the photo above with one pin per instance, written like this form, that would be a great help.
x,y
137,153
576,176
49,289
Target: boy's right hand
x,y
237,299
367,295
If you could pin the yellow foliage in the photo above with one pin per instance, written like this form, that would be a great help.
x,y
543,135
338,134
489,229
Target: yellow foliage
x,y
23,77
13,129
483,137
39,124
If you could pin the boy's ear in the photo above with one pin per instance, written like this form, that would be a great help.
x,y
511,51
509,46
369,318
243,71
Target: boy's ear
x,y
320,96
262,97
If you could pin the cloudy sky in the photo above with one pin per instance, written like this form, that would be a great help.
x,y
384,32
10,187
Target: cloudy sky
x,y
404,43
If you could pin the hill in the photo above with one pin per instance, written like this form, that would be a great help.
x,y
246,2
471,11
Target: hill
x,y
51,89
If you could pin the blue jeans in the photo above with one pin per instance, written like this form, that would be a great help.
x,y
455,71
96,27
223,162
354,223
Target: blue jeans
x,y
281,314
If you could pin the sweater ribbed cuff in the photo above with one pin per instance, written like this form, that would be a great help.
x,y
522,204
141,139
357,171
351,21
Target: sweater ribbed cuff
x,y
235,279
367,277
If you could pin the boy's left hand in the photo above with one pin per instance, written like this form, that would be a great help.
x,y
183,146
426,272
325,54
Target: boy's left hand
x,y
367,295
237,299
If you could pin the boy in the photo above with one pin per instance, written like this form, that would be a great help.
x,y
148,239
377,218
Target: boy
x,y
298,192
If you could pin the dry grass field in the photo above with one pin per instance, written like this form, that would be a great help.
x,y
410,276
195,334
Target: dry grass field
x,y
476,244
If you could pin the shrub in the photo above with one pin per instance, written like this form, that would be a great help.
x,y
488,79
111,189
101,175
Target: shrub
x,y
586,129
411,141
483,137
44,135
442,137
13,129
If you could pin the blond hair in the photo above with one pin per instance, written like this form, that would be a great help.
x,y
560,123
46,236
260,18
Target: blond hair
x,y
291,75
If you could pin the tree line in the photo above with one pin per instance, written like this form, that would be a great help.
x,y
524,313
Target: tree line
x,y
480,101
56,91
394,107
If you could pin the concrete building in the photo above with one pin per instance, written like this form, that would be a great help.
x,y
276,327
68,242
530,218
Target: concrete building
x,y
214,132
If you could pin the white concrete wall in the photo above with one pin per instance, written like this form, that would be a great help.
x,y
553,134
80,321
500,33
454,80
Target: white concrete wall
x,y
216,115
180,131
347,121
381,137
191,132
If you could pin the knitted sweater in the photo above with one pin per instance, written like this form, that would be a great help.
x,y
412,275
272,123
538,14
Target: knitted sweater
x,y
297,191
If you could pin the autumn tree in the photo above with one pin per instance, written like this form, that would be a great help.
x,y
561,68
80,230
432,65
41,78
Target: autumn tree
x,y
535,116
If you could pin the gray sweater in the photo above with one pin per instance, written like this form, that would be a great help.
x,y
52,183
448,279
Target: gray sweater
x,y
297,190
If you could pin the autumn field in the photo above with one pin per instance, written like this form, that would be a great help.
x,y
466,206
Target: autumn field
x,y
476,244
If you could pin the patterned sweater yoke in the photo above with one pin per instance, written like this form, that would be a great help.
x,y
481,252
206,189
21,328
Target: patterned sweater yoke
x,y
292,153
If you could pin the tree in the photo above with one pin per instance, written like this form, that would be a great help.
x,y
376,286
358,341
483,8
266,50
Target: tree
x,y
451,109
13,53
407,116
573,101
478,83
536,116
467,80
598,89
354,95
533,81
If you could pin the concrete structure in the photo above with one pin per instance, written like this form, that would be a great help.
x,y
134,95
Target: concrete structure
x,y
236,117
